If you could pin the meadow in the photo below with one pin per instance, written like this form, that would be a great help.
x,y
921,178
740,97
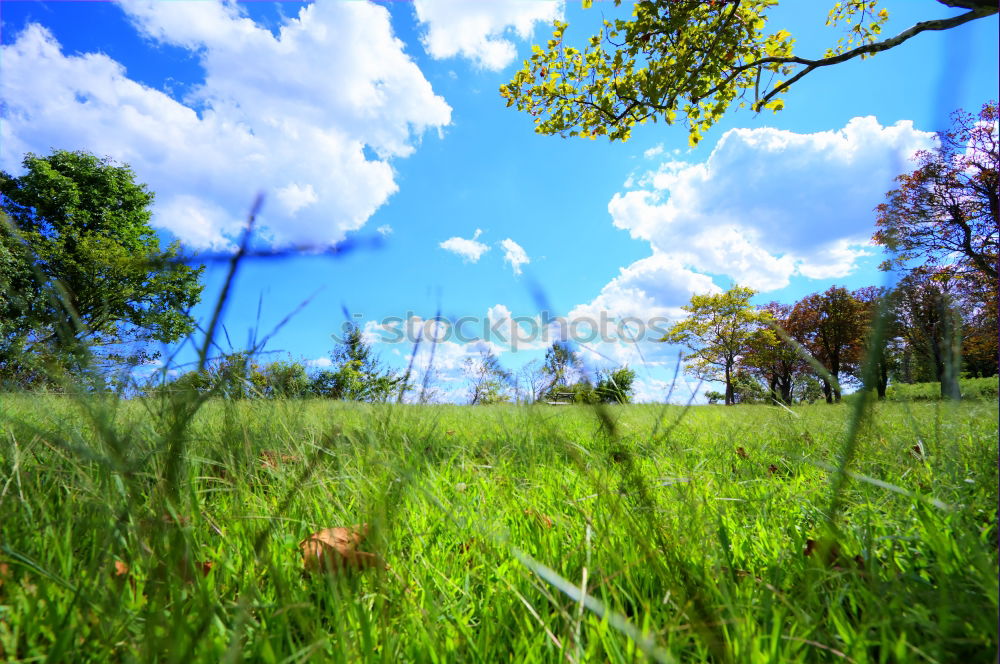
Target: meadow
x,y
152,530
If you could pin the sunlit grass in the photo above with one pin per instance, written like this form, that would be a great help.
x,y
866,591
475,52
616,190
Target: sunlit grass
x,y
692,543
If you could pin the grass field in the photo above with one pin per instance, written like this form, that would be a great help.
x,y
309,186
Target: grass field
x,y
135,531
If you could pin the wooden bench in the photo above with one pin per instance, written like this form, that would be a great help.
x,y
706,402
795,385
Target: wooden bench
x,y
561,398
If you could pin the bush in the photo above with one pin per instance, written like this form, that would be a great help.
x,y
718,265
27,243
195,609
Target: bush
x,y
972,388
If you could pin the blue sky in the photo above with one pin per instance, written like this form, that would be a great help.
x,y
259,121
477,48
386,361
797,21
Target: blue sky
x,y
384,121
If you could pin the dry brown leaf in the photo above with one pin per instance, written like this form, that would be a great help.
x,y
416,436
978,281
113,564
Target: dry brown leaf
x,y
274,459
336,549
180,520
543,519
742,453
4,572
121,569
833,555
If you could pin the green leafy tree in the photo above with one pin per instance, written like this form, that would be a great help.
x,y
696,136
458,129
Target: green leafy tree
x,y
715,397
616,385
931,323
562,367
807,389
747,388
691,59
357,374
489,382
945,213
81,268
281,380
717,331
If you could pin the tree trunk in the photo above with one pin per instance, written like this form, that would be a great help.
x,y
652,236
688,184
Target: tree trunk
x,y
772,385
786,390
729,387
835,372
882,380
827,390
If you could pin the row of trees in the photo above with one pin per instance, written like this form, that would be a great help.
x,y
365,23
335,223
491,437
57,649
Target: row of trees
x,y
933,326
357,374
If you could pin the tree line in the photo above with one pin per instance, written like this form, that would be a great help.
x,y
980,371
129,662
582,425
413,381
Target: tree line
x,y
357,374
933,329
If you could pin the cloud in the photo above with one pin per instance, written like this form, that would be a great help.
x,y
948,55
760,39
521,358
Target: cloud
x,y
765,206
514,254
384,230
481,31
312,115
654,151
770,204
471,250
655,286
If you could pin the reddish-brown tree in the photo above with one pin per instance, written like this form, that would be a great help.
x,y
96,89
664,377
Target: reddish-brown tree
x,y
945,212
772,359
881,342
831,326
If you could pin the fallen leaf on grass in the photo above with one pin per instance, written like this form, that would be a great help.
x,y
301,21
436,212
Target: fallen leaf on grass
x,y
121,574
742,453
543,519
833,556
336,549
772,469
4,572
179,520
274,459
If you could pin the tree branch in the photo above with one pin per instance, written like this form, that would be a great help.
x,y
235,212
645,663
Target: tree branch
x,y
980,11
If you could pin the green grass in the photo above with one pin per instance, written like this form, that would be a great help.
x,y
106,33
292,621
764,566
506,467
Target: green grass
x,y
492,519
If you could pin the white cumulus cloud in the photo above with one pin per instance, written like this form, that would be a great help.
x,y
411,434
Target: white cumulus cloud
x,y
514,254
481,30
312,115
769,204
470,249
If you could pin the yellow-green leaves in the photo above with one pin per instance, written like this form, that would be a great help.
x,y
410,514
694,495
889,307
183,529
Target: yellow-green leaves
x,y
865,24
674,60
671,61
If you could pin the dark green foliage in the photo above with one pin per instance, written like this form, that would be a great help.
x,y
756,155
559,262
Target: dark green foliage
x,y
282,380
81,267
357,374
616,385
